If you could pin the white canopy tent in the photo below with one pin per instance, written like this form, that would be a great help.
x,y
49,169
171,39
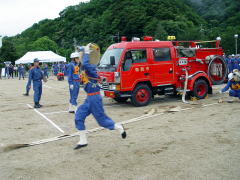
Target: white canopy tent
x,y
43,56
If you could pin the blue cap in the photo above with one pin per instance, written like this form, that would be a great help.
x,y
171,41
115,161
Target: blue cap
x,y
36,60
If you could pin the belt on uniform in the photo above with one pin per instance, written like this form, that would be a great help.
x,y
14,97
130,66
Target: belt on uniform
x,y
92,94
77,80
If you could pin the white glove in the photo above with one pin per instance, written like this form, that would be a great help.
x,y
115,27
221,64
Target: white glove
x,y
88,49
220,92
71,86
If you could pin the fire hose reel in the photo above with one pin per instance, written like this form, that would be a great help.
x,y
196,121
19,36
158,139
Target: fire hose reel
x,y
217,69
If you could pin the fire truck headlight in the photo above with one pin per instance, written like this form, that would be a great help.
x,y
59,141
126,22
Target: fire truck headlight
x,y
112,87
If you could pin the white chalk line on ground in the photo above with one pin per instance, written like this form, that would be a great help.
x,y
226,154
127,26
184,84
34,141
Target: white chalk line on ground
x,y
56,112
47,86
146,116
50,121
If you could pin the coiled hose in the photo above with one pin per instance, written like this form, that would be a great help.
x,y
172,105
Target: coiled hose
x,y
224,69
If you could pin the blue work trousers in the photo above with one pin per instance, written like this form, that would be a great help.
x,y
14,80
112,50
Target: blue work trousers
x,y
74,92
37,88
21,74
27,88
93,105
234,93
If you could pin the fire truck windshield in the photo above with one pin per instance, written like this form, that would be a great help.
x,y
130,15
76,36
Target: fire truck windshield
x,y
105,60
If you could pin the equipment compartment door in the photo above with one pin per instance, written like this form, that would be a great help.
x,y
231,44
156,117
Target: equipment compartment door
x,y
162,66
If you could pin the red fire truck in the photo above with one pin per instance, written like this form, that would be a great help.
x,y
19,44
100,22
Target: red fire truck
x,y
139,70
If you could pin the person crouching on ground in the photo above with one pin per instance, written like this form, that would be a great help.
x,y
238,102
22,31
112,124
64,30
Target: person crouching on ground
x,y
74,81
93,103
233,84
36,75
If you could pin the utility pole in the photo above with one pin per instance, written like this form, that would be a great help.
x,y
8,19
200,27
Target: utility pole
x,y
75,43
236,39
116,36
201,31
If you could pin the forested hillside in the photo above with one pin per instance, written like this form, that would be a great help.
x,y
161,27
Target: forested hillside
x,y
101,21
223,19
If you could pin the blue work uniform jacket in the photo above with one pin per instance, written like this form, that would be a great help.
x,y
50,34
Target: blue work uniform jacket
x,y
91,71
35,75
73,72
233,85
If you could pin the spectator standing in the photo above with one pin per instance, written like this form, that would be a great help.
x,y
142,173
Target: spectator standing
x,y
15,70
11,71
45,70
21,71
7,71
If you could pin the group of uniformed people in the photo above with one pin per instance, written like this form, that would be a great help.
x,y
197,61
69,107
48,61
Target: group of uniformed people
x,y
233,62
84,61
62,67
14,70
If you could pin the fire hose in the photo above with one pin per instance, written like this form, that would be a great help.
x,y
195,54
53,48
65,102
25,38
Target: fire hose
x,y
185,87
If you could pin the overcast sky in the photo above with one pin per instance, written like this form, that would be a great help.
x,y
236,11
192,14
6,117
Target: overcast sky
x,y
18,15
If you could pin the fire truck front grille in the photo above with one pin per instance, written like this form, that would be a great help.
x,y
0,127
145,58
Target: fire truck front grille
x,y
105,86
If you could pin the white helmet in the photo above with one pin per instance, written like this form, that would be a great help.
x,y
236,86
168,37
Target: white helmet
x,y
74,55
230,76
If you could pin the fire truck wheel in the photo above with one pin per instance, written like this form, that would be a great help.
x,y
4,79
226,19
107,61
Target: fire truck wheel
x,y
121,99
141,95
200,89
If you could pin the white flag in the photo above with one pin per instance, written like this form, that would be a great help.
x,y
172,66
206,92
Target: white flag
x,y
0,41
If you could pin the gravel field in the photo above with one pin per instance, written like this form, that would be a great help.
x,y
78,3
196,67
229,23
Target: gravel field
x,y
201,141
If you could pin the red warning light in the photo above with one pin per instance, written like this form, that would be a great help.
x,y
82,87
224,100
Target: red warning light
x,y
147,38
123,38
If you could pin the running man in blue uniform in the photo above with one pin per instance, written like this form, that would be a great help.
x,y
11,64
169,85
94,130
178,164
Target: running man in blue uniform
x,y
93,103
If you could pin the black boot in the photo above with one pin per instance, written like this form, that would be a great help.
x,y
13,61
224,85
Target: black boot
x,y
80,146
26,94
37,105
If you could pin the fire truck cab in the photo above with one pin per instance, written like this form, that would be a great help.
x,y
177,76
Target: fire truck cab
x,y
139,70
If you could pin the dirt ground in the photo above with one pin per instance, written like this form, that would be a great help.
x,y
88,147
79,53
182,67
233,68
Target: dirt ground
x,y
202,142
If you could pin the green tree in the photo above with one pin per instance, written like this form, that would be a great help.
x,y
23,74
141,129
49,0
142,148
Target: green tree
x,y
99,20
8,51
44,44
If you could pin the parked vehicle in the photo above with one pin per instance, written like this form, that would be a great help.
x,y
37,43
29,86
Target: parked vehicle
x,y
139,70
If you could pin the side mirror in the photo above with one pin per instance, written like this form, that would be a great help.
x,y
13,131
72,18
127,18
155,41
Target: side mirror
x,y
112,60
